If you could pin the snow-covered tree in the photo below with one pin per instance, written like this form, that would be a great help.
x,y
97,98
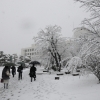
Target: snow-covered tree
x,y
14,58
93,23
74,47
50,41
4,58
21,58
90,50
27,59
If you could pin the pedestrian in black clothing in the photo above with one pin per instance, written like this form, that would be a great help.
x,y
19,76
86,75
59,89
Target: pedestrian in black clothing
x,y
13,70
33,72
5,76
20,70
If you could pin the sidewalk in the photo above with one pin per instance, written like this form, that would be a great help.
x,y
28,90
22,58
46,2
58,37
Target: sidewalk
x,y
47,88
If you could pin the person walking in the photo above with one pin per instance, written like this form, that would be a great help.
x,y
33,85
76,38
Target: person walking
x,y
20,70
33,72
13,70
6,76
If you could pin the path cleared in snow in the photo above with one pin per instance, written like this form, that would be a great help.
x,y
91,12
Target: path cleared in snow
x,y
47,88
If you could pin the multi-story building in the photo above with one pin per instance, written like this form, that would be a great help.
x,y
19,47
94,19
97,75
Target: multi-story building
x,y
32,52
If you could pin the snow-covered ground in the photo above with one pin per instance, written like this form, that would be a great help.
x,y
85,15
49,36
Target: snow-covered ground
x,y
47,88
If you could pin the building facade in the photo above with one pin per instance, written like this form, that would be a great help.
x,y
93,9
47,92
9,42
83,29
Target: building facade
x,y
32,52
82,31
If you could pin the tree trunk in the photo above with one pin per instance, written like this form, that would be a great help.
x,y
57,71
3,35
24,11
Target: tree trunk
x,y
59,57
56,60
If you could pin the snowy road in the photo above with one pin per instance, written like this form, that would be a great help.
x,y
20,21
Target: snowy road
x,y
47,88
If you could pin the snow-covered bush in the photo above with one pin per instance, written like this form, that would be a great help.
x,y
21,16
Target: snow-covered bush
x,y
93,63
74,63
27,59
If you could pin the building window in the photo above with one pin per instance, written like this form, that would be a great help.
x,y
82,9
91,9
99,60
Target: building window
x,y
30,53
30,49
25,50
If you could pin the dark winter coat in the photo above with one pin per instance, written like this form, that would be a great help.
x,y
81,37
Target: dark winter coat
x,y
4,75
13,69
20,69
32,71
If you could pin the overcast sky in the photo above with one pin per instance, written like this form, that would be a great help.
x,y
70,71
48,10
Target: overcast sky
x,y
21,20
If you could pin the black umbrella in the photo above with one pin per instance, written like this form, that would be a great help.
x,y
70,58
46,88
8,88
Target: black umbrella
x,y
20,63
9,64
35,62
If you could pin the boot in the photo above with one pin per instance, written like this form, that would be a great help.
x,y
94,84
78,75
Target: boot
x,y
31,79
7,86
34,79
4,85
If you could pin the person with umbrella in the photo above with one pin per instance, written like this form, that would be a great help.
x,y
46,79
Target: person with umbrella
x,y
20,70
5,76
13,70
33,72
